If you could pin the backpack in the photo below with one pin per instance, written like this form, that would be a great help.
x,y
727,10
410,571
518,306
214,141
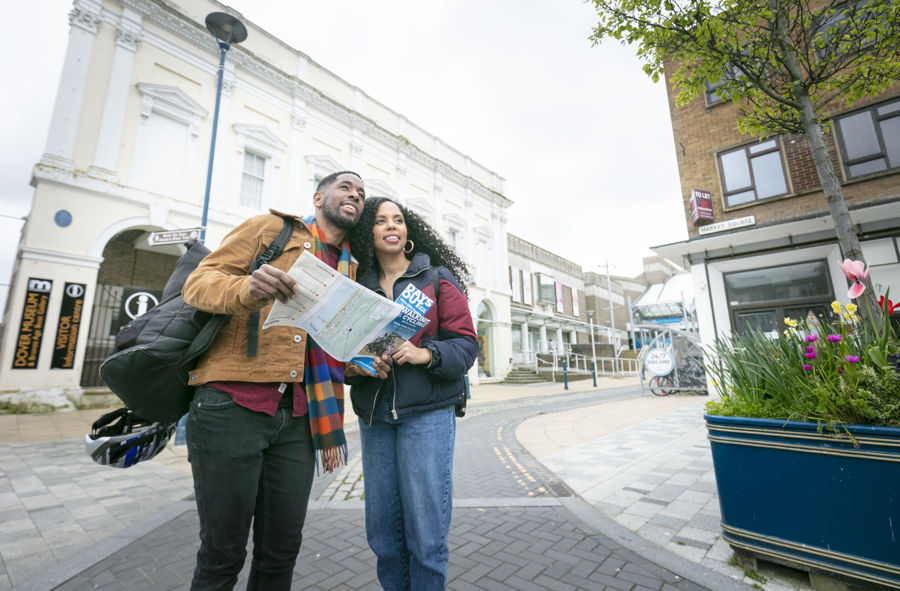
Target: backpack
x,y
148,366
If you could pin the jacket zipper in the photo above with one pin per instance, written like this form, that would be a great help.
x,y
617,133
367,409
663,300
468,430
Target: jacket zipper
x,y
393,375
394,401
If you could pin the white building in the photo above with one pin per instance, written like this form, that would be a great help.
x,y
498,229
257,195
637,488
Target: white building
x,y
127,154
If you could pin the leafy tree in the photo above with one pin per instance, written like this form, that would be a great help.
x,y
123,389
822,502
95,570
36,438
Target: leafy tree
x,y
785,62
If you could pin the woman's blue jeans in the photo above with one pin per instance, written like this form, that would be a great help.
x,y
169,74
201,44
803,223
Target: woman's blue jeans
x,y
247,467
407,473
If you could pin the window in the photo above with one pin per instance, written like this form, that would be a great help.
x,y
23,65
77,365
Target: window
x,y
252,180
842,30
712,88
165,145
453,238
761,298
546,288
257,164
752,173
870,139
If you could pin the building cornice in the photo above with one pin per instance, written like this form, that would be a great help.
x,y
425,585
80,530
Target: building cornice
x,y
60,258
153,11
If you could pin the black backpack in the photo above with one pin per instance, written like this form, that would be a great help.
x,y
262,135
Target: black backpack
x,y
149,364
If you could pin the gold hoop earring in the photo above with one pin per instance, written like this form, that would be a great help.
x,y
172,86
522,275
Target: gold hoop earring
x,y
408,248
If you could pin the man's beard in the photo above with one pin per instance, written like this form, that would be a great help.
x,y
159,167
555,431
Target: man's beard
x,y
339,219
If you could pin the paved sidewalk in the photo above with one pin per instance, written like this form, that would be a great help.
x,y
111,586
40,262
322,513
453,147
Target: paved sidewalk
x,y
643,462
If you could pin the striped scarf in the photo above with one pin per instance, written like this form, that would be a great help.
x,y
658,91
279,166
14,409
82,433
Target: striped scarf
x,y
324,379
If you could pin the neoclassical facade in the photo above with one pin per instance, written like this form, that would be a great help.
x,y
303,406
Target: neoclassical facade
x,y
127,155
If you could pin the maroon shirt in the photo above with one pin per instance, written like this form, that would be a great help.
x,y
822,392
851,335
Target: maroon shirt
x,y
265,396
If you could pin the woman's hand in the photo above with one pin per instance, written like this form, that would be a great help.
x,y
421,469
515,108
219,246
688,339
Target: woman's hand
x,y
409,353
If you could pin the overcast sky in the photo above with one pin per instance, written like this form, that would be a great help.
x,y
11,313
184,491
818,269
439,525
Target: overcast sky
x,y
580,134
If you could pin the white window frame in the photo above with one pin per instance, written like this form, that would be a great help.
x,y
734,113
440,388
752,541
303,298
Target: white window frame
x,y
259,141
175,104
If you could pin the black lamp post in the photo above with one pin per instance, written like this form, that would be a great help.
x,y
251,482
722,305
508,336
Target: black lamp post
x,y
227,30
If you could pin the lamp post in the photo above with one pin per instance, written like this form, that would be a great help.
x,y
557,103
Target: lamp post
x,y
612,313
227,30
593,350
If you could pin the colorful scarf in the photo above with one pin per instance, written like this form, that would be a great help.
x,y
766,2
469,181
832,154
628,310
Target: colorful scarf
x,y
324,379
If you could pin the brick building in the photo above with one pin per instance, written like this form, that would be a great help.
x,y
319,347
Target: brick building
x,y
768,248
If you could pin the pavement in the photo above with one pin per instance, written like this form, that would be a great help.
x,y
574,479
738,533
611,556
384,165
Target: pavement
x,y
634,479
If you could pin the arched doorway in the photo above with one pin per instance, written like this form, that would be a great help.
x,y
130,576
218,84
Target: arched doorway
x,y
485,334
130,282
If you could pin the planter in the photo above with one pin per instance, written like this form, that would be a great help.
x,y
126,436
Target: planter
x,y
811,500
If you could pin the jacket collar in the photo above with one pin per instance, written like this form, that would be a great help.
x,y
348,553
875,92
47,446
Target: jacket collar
x,y
419,262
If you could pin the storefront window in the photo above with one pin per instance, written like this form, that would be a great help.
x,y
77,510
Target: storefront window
x,y
788,282
485,335
760,299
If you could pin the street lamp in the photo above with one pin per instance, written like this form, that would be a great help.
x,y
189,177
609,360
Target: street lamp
x,y
612,312
227,30
593,350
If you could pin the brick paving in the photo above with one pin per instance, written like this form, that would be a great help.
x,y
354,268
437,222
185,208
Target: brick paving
x,y
517,523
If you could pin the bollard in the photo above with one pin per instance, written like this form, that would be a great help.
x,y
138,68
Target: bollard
x,y
468,392
594,372
565,376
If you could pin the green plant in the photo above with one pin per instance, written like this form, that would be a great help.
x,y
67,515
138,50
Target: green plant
x,y
835,373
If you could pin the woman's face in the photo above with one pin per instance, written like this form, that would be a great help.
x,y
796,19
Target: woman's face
x,y
389,231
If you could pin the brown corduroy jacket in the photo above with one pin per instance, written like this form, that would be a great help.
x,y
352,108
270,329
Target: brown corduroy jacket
x,y
220,284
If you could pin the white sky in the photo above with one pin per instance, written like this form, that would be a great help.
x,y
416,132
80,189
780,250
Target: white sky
x,y
581,135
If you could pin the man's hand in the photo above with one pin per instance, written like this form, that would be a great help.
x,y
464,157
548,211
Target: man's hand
x,y
269,283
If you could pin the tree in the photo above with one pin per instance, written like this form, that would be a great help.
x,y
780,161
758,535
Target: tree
x,y
785,62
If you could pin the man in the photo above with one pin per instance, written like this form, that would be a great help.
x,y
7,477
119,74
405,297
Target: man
x,y
258,424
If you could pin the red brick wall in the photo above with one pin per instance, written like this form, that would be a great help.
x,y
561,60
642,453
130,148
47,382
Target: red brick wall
x,y
701,132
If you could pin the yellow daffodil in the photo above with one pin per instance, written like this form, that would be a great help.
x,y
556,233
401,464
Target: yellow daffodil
x,y
851,307
836,307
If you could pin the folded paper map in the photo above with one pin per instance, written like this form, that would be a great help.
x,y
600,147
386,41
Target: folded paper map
x,y
350,322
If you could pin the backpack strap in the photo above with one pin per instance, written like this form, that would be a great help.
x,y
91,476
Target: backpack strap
x,y
274,251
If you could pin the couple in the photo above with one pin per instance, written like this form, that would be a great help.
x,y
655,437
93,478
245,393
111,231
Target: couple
x,y
258,424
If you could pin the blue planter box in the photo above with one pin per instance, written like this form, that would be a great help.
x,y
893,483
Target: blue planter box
x,y
814,500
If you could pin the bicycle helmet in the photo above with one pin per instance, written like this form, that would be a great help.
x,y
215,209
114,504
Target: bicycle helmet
x,y
121,439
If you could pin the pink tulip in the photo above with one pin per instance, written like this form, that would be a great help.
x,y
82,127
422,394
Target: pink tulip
x,y
856,272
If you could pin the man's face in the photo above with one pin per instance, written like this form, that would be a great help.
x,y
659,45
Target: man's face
x,y
342,201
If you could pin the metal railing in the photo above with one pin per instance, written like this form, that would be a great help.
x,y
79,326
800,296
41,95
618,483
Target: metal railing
x,y
581,364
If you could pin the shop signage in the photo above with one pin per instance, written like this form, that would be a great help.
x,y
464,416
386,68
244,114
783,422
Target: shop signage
x,y
173,236
701,205
659,362
727,225
31,327
68,327
137,301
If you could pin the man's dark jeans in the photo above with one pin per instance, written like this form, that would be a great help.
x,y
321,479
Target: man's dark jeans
x,y
247,467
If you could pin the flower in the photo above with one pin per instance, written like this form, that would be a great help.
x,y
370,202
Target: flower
x,y
856,272
891,306
851,378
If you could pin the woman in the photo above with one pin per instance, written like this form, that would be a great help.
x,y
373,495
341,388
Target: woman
x,y
407,421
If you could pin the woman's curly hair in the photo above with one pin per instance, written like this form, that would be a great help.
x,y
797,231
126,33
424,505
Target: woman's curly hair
x,y
423,236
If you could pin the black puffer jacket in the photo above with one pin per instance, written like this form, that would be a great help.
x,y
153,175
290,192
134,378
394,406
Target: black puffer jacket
x,y
413,388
